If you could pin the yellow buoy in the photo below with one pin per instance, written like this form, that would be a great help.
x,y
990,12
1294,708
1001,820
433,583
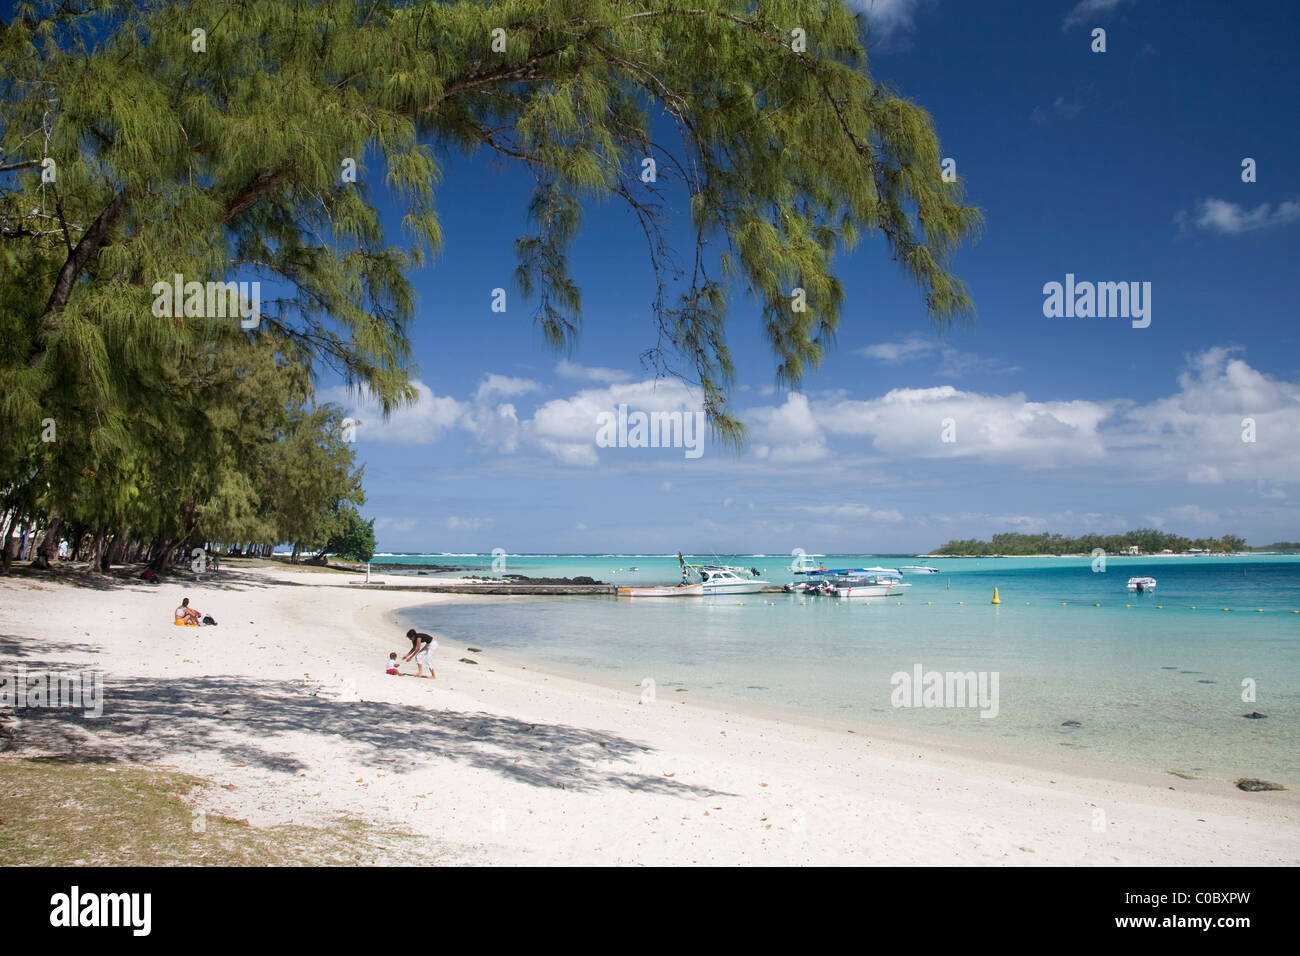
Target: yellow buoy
x,y
996,599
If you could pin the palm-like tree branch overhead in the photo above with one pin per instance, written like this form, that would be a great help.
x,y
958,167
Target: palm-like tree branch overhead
x,y
789,150
144,140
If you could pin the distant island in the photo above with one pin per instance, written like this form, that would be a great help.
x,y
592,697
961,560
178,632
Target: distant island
x,y
1142,541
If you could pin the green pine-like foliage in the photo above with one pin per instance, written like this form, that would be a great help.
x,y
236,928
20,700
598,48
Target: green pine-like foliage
x,y
207,138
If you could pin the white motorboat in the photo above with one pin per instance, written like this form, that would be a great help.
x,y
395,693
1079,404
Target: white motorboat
x,y
918,569
866,586
680,590
804,564
1142,585
858,583
721,579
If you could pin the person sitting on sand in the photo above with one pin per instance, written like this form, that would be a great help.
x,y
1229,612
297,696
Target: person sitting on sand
x,y
422,648
187,616
392,664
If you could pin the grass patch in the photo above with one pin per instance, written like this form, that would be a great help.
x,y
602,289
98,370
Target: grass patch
x,y
55,813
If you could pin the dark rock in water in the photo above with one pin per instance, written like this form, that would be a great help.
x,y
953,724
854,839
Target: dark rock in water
x,y
1254,786
1191,672
475,650
522,579
421,572
468,660
1071,723
1207,682
1254,715
1169,668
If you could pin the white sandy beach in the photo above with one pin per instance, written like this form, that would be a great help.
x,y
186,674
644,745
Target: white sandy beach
x,y
286,707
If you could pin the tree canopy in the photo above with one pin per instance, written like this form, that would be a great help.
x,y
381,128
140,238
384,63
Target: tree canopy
x,y
1147,540
210,139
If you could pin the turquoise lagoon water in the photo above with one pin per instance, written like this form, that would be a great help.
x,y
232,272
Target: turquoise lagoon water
x,y
1153,681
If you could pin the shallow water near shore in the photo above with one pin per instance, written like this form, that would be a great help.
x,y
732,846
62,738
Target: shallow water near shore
x,y
1152,681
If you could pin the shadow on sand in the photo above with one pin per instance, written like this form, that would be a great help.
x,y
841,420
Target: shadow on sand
x,y
146,719
13,646
127,577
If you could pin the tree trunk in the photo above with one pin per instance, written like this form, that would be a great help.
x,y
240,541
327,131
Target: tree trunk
x,y
116,553
9,547
95,553
14,544
162,554
49,546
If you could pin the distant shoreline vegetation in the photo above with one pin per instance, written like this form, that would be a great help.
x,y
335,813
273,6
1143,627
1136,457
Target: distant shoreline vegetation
x,y
1145,541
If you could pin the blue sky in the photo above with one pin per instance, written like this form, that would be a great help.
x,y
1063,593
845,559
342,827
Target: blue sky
x,y
1115,166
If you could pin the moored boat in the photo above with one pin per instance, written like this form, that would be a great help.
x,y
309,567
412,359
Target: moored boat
x,y
1142,585
720,579
679,590
804,564
865,585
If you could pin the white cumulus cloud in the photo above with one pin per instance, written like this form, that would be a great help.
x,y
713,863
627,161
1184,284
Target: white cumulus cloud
x,y
1231,219
1087,10
419,424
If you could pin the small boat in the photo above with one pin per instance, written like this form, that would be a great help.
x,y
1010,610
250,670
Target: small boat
x,y
680,590
1141,585
859,585
804,564
720,579
918,569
